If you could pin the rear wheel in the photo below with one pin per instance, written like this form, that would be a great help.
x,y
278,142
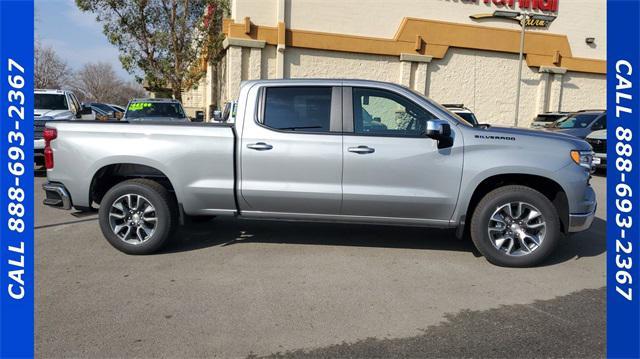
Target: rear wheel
x,y
515,226
138,216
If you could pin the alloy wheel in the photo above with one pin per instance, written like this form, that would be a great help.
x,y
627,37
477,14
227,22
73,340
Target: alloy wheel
x,y
132,218
517,228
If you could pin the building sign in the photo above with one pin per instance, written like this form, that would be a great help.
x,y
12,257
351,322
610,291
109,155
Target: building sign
x,y
543,5
536,23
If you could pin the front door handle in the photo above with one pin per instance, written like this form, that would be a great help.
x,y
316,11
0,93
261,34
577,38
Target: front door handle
x,y
260,146
363,150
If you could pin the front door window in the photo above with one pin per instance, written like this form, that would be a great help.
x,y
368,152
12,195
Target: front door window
x,y
379,112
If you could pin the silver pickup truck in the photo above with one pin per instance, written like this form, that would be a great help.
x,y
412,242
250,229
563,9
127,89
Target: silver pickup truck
x,y
327,150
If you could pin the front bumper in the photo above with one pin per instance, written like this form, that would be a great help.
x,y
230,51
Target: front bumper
x,y
57,196
579,222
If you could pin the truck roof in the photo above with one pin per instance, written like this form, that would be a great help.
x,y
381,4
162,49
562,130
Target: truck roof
x,y
154,99
51,91
318,81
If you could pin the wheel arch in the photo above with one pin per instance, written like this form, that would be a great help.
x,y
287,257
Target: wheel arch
x,y
111,174
545,185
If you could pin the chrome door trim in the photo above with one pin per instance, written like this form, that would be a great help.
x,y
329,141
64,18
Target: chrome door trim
x,y
314,217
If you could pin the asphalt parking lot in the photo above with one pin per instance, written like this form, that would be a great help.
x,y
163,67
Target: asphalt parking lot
x,y
238,288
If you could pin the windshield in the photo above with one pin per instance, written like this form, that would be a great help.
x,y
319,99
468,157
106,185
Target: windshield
x,y
43,101
103,107
548,118
576,121
468,116
98,110
154,109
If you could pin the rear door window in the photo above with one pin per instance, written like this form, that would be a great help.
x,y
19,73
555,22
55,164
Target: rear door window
x,y
303,109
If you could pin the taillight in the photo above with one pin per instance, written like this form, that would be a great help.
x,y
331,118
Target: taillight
x,y
49,135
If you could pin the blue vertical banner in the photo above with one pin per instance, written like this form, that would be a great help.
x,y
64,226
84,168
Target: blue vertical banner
x,y
16,179
623,179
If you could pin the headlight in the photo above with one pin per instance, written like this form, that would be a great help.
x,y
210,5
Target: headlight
x,y
582,158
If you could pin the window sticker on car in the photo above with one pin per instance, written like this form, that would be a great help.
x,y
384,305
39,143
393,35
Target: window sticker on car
x,y
139,106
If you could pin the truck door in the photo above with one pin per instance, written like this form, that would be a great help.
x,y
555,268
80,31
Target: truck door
x,y
391,169
291,151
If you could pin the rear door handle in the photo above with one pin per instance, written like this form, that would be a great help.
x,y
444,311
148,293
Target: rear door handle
x,y
260,146
363,150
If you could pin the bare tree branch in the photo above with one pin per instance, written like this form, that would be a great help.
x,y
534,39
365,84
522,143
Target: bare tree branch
x,y
50,71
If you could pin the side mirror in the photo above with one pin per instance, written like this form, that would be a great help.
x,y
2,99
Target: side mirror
x,y
440,131
217,115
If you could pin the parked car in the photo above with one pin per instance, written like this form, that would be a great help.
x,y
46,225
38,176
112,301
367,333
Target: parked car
x,y
351,151
581,124
105,111
155,109
547,119
119,111
117,107
598,141
53,105
463,112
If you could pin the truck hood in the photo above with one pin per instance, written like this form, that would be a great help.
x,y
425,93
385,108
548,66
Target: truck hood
x,y
598,135
575,142
65,114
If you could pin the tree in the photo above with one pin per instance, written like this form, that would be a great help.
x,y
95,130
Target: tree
x,y
166,39
129,91
50,71
98,82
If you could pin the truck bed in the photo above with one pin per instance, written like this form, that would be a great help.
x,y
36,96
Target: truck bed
x,y
197,158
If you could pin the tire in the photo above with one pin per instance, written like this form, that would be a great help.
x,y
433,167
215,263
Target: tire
x,y
147,200
493,229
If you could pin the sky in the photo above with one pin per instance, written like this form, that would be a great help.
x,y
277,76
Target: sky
x,y
76,36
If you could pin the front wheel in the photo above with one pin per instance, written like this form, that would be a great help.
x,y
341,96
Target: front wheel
x,y
515,226
137,216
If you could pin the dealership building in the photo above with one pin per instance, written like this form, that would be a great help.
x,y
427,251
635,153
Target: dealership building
x,y
439,48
